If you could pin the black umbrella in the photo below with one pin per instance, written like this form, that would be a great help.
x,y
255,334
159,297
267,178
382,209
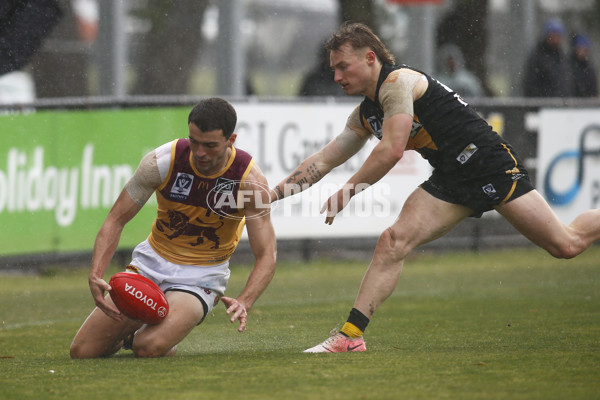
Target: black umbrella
x,y
23,26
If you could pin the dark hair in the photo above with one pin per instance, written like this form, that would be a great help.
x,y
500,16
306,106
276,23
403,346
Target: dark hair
x,y
212,114
359,36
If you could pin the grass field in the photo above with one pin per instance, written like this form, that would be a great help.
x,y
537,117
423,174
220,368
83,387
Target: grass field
x,y
512,324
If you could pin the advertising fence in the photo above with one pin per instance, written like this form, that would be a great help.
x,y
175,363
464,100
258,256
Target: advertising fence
x,y
61,169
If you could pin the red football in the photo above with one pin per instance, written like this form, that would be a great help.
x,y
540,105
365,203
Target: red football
x,y
138,297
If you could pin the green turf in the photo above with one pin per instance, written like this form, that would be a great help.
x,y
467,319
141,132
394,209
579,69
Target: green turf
x,y
513,324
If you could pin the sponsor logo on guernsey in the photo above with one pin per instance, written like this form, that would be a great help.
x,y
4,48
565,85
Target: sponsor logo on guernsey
x,y
224,186
468,151
182,186
416,127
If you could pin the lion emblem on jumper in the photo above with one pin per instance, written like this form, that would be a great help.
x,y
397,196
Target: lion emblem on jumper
x,y
180,224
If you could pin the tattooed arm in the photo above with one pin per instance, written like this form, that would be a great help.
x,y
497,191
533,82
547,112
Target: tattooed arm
x,y
319,164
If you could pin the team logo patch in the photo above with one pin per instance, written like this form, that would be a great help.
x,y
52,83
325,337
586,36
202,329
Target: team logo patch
x,y
182,186
468,151
180,224
490,191
375,125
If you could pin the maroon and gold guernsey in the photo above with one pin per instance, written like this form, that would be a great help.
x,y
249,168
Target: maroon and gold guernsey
x,y
197,222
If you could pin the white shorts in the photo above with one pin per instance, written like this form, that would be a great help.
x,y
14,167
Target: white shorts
x,y
207,283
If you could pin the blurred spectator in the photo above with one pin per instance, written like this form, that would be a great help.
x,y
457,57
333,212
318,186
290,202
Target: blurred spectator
x,y
23,27
466,24
319,80
452,72
165,60
547,68
585,83
60,69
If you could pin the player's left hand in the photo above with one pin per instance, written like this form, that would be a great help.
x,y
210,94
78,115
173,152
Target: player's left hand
x,y
238,311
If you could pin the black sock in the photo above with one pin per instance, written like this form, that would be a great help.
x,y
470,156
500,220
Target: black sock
x,y
358,319
355,325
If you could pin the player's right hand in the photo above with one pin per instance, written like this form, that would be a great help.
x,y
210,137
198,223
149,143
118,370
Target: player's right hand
x,y
335,204
98,287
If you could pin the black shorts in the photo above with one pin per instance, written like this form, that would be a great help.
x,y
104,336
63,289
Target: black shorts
x,y
492,176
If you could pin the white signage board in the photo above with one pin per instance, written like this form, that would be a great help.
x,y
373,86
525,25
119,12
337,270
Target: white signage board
x,y
280,136
568,167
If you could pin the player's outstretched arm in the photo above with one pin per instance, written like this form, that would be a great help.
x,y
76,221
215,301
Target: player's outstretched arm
x,y
315,167
389,150
385,155
261,236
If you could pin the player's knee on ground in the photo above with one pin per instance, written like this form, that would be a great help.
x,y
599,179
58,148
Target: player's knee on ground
x,y
76,351
151,348
79,350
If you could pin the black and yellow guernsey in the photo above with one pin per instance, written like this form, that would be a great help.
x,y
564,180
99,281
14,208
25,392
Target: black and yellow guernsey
x,y
443,123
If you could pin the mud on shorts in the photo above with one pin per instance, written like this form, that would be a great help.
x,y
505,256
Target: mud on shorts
x,y
206,283
491,176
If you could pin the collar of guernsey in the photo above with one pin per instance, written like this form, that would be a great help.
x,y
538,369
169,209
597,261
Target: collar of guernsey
x,y
186,230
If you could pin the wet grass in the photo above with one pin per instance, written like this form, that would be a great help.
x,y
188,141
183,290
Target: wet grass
x,y
510,324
